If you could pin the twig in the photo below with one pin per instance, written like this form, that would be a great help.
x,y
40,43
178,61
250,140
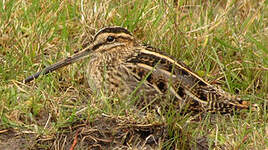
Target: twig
x,y
75,140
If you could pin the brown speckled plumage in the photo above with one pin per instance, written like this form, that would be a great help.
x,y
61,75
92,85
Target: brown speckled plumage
x,y
125,67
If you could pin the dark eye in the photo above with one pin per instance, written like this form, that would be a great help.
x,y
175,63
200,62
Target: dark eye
x,y
110,39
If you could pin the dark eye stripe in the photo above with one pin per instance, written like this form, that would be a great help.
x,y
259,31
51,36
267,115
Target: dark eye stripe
x,y
100,44
124,37
97,46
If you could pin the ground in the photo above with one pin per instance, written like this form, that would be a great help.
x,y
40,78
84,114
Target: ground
x,y
224,42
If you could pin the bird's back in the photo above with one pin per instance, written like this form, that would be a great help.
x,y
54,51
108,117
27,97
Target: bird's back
x,y
153,74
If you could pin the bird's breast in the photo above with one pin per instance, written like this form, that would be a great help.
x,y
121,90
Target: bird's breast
x,y
104,72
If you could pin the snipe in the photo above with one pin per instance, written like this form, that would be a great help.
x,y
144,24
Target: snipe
x,y
125,67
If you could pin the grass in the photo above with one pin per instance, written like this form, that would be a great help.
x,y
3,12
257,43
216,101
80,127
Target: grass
x,y
224,42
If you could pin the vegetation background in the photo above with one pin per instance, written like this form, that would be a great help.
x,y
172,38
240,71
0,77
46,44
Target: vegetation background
x,y
225,42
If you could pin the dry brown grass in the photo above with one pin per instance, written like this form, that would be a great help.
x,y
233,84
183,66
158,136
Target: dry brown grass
x,y
225,42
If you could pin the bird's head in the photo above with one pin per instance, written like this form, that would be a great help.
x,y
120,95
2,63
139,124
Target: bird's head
x,y
111,37
107,40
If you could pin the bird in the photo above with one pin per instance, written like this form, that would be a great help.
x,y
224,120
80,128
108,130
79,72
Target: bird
x,y
118,62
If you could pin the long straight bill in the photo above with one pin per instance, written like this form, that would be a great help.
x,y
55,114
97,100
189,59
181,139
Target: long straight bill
x,y
85,52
